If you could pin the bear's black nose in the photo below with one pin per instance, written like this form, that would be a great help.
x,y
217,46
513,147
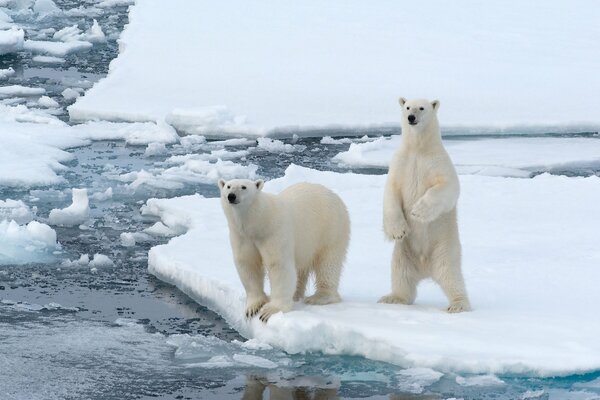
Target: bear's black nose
x,y
411,118
231,197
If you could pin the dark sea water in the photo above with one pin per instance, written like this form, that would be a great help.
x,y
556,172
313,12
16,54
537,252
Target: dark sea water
x,y
117,332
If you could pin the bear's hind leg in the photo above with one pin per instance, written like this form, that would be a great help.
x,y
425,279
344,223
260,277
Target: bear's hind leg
x,y
447,273
405,278
327,278
301,284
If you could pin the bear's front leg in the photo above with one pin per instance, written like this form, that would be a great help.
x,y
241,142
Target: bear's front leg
x,y
283,276
439,199
249,266
395,226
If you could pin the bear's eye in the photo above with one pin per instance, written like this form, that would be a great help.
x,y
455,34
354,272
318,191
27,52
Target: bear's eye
x,y
228,186
244,187
408,108
421,108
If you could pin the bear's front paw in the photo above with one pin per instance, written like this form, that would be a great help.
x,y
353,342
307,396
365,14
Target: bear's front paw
x,y
395,230
253,306
392,299
269,309
422,212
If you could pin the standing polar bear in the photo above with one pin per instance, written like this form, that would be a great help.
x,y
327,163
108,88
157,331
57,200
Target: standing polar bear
x,y
304,229
419,210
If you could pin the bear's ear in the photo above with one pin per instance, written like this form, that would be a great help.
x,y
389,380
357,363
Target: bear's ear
x,y
435,104
402,100
259,184
221,183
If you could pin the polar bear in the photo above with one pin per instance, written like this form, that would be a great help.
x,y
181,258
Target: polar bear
x,y
419,210
304,229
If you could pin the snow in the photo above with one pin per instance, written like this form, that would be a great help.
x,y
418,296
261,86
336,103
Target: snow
x,y
530,274
511,156
22,244
271,67
133,133
11,40
18,90
56,49
48,60
75,214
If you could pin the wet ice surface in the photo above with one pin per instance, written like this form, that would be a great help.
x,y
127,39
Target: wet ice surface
x,y
78,331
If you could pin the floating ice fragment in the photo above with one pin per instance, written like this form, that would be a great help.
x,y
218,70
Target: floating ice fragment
x,y
48,60
5,73
70,94
76,214
48,102
155,149
127,239
254,361
415,380
45,7
479,380
101,260
31,243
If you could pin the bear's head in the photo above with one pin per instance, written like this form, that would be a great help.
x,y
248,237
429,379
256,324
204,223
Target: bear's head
x,y
239,192
418,114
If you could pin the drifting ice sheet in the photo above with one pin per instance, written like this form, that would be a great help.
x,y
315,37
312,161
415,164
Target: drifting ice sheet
x,y
532,278
256,66
516,157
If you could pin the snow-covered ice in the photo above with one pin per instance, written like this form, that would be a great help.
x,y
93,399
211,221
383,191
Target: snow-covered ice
x,y
75,214
48,59
56,49
18,90
511,156
11,40
345,63
520,250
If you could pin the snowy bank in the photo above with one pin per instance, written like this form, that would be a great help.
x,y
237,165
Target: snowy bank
x,y
260,67
530,262
511,156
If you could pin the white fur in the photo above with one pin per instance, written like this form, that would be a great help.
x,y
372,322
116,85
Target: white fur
x,y
304,229
419,211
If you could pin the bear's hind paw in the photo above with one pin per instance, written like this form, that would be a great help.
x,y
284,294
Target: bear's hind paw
x,y
254,307
392,299
267,311
459,306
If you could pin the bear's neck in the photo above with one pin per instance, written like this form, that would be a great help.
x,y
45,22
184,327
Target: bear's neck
x,y
426,138
249,220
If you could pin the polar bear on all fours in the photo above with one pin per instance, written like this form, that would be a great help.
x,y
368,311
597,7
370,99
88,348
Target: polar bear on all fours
x,y
304,229
419,211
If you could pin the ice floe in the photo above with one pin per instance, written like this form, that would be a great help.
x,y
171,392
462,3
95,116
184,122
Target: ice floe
x,y
524,241
511,156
